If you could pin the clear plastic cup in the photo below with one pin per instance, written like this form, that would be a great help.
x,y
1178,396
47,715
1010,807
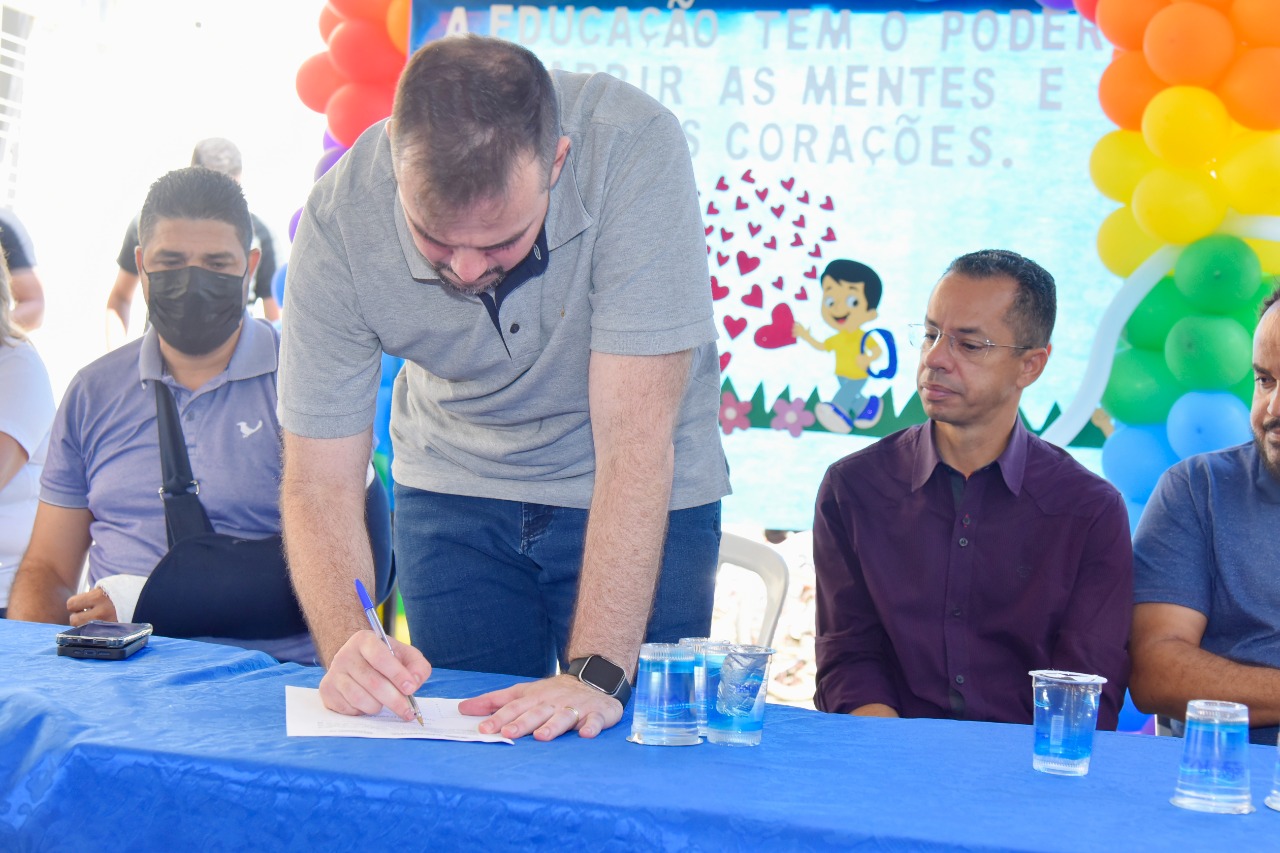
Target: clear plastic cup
x,y
699,646
1066,714
736,696
1273,799
664,713
1214,773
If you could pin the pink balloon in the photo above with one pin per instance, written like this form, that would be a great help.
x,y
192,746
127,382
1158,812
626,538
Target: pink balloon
x,y
1060,5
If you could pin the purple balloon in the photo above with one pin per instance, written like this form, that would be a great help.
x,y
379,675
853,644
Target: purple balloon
x,y
330,142
1060,5
331,156
293,224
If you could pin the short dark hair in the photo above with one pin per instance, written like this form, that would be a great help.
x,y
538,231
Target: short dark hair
x,y
854,272
196,193
466,110
218,154
1035,308
1272,299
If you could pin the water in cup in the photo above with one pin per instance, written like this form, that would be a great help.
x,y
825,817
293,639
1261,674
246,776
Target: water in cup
x,y
664,712
736,696
1066,713
1213,775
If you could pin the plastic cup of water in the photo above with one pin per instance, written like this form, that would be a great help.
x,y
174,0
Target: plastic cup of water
x,y
736,696
1273,799
1066,714
1214,773
664,712
699,646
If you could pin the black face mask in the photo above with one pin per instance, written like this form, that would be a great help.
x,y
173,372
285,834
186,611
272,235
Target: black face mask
x,y
194,309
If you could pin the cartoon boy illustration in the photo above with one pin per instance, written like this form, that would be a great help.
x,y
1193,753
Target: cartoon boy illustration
x,y
850,295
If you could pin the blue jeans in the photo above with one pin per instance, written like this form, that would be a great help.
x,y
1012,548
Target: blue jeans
x,y
849,397
490,585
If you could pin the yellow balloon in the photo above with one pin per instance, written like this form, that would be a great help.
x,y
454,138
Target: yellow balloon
x,y
1118,162
398,24
1122,245
1179,205
1268,252
1186,125
1250,174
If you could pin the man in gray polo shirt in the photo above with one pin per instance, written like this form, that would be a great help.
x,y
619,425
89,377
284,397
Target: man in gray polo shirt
x,y
532,246
1207,620
99,487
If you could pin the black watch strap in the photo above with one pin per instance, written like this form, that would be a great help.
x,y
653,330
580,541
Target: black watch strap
x,y
602,674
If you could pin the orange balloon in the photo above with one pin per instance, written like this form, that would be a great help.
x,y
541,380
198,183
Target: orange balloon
x,y
1257,22
366,10
1123,21
317,80
1189,44
1251,88
356,106
398,24
1127,86
329,18
1222,6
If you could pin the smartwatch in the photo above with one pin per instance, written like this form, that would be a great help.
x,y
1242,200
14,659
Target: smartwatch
x,y
602,674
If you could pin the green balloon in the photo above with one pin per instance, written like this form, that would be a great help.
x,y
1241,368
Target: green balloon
x,y
1218,273
1141,389
1150,322
1207,353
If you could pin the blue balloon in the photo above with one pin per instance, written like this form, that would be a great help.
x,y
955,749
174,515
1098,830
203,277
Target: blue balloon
x,y
328,160
382,423
390,370
1204,421
277,283
1134,457
1135,515
1131,719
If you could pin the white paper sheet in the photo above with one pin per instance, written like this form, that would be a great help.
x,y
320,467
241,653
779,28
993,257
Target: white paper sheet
x,y
306,716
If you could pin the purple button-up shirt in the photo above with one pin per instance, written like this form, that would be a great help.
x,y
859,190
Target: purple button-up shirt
x,y
937,595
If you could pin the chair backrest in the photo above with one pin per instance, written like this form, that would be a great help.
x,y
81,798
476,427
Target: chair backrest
x,y
770,566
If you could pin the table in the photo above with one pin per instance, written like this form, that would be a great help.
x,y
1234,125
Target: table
x,y
183,746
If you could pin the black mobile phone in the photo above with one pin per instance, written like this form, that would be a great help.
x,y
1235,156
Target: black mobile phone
x,y
103,640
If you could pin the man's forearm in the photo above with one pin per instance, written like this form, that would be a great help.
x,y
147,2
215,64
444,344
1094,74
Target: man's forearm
x,y
1167,673
38,594
622,556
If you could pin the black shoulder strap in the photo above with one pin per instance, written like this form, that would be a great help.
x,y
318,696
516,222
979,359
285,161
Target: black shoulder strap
x,y
184,515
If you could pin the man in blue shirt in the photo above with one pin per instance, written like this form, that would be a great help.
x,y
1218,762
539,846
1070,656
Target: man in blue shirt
x,y
1207,620
99,486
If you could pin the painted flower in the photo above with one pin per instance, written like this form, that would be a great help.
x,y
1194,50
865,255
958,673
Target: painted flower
x,y
733,413
790,416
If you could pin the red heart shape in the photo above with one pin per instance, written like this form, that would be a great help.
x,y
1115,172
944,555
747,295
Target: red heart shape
x,y
827,205
708,230
753,228
746,263
734,326
724,360
723,259
755,298
788,184
740,204
771,243
762,194
712,210
777,211
796,241
721,185
829,236
725,236
781,330
802,295
799,223
812,273
777,282
746,177
804,199
718,290
817,251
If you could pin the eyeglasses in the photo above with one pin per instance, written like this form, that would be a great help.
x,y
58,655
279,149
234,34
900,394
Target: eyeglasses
x,y
926,337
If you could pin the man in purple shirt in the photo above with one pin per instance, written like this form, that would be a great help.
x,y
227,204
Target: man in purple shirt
x,y
955,556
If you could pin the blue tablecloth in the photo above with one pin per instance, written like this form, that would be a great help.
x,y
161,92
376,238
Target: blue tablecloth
x,y
184,746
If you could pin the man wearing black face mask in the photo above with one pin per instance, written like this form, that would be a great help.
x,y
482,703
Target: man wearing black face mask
x,y
104,466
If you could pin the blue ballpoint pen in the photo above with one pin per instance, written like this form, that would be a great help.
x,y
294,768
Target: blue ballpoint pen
x,y
376,625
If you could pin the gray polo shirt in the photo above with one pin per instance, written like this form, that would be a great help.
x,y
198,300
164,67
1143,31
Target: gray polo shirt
x,y
503,414
104,451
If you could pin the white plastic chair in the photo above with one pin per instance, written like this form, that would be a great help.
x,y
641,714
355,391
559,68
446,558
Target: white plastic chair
x,y
772,569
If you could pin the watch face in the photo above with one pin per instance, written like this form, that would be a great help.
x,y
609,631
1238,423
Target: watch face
x,y
602,674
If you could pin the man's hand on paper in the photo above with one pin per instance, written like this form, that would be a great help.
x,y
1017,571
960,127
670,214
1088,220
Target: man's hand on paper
x,y
364,677
84,607
546,708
